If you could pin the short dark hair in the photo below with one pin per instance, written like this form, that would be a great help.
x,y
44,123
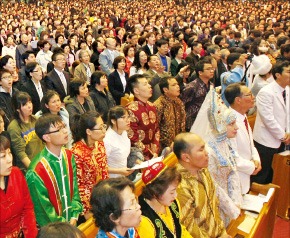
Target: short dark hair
x,y
174,50
29,68
133,81
54,55
163,83
161,42
74,86
106,201
194,44
4,60
285,48
58,36
60,230
4,71
159,186
127,48
95,78
282,40
44,122
199,67
42,43
279,67
117,60
26,54
232,91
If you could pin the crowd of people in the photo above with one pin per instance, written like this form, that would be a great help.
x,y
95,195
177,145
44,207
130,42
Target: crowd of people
x,y
89,89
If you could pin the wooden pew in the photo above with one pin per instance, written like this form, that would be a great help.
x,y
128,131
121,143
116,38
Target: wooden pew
x,y
265,221
251,120
89,228
281,168
263,226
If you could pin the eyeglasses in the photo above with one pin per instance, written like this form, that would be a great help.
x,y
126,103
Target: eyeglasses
x,y
103,127
37,70
247,95
60,129
135,206
7,77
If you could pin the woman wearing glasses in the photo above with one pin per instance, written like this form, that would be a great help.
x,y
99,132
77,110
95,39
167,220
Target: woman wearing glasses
x,y
35,86
117,143
115,208
90,155
159,206
25,143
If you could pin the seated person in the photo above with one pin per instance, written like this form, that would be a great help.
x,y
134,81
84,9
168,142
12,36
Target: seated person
x,y
196,192
51,176
115,208
159,206
16,207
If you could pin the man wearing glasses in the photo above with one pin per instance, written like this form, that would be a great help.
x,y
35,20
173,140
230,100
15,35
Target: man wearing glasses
x,y
58,79
241,99
51,176
195,92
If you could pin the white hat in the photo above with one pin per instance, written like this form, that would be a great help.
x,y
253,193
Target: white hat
x,y
262,64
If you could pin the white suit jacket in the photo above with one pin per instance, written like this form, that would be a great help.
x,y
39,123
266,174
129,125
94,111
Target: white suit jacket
x,y
272,121
243,144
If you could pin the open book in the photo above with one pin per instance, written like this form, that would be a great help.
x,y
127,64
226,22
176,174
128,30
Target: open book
x,y
147,163
255,203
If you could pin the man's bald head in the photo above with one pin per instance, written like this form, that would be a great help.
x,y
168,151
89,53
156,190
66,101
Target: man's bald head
x,y
183,142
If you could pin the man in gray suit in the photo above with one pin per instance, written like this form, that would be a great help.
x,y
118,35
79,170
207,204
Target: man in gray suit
x,y
107,57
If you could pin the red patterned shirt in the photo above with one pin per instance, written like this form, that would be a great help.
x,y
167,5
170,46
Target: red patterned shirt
x,y
92,166
144,129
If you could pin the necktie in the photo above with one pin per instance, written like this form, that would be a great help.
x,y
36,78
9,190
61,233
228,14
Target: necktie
x,y
246,124
63,80
284,96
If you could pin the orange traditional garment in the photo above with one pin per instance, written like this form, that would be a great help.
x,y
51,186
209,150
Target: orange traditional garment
x,y
91,163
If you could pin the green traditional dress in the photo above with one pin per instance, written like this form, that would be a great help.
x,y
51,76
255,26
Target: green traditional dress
x,y
53,186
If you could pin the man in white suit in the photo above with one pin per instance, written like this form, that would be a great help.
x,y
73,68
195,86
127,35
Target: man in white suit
x,y
272,122
241,99
107,57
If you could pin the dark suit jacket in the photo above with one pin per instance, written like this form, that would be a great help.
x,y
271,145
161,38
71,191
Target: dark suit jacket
x,y
220,69
192,59
53,82
147,50
30,88
116,86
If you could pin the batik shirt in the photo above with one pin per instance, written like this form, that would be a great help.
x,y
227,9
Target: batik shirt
x,y
199,204
171,119
193,96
